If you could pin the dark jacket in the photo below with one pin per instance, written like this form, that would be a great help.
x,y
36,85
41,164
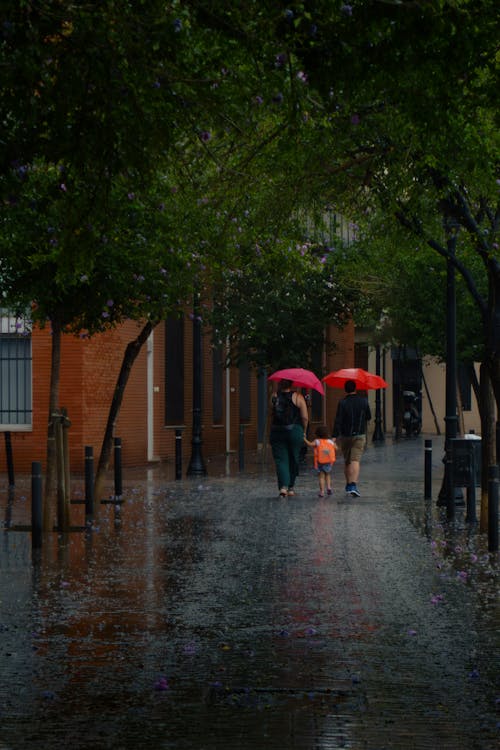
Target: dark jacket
x,y
353,412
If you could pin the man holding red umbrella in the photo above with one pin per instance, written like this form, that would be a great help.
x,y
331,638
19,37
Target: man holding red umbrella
x,y
353,412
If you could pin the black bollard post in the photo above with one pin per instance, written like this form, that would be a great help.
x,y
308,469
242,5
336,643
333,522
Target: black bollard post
x,y
470,515
178,454
497,441
493,508
89,483
428,470
449,484
241,452
10,461
118,468
36,504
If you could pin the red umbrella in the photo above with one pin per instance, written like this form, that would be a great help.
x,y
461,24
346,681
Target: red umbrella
x,y
364,380
300,378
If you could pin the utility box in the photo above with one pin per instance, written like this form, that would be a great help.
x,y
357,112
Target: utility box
x,y
466,461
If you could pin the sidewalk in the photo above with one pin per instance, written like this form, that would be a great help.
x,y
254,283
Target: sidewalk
x,y
207,614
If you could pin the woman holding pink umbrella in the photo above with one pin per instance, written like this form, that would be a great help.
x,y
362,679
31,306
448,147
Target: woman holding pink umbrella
x,y
288,427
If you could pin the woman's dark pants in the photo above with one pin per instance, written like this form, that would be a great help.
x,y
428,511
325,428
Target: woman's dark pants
x,y
286,443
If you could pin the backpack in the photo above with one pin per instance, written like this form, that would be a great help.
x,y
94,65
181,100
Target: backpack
x,y
284,410
324,452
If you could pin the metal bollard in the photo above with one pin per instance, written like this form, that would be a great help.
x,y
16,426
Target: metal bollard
x,y
241,452
36,504
118,468
178,454
10,461
450,485
89,483
428,470
493,477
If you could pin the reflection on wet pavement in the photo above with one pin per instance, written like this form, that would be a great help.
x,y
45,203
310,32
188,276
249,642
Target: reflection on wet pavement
x,y
210,614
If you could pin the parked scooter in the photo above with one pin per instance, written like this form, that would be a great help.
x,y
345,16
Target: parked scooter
x,y
412,421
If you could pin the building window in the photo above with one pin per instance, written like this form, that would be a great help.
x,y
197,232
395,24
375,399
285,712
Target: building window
x,y
15,373
245,402
217,384
317,398
174,371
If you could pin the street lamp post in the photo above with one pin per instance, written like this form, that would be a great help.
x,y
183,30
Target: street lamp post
x,y
196,466
447,493
378,433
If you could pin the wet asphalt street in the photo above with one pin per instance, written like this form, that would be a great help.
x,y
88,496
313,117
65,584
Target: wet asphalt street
x,y
208,614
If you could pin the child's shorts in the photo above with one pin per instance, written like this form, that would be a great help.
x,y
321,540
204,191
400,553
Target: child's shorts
x,y
325,468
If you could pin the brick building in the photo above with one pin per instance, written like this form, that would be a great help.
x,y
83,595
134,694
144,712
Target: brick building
x,y
158,399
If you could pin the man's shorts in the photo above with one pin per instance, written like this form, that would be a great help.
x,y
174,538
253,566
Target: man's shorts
x,y
352,447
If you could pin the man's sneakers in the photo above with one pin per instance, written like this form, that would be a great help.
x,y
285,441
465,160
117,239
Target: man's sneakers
x,y
352,490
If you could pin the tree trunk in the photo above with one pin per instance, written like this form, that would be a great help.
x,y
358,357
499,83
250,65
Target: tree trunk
x,y
51,468
488,450
129,357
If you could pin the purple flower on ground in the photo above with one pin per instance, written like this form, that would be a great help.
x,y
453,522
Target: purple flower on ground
x,y
205,136
355,120
474,675
63,187
110,303
411,632
280,59
131,196
278,98
161,684
177,25
346,10
259,99
436,598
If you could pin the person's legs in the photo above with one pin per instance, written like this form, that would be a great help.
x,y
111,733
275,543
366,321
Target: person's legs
x,y
295,443
322,476
328,480
351,471
280,451
354,465
346,445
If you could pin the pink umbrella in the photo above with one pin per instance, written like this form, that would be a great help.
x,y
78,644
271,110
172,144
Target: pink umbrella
x,y
363,379
300,378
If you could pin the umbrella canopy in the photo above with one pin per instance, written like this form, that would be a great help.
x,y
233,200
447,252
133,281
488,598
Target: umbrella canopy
x,y
363,379
300,378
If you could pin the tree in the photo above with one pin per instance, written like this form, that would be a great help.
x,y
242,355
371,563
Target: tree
x,y
107,109
276,316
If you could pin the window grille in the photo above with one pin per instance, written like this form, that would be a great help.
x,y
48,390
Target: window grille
x,y
15,372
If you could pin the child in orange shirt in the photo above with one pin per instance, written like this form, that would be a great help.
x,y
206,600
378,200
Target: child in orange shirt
x,y
324,458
